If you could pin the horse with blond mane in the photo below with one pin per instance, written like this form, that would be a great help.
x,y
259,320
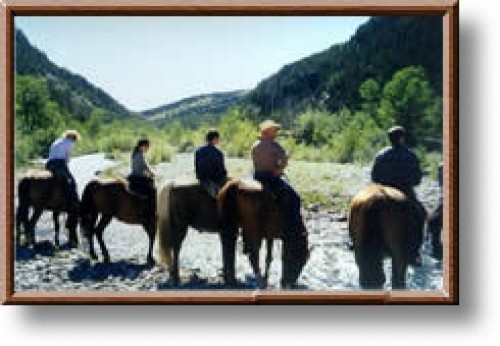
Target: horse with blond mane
x,y
384,221
183,205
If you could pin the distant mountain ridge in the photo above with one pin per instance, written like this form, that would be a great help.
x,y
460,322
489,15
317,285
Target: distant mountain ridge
x,y
200,106
74,94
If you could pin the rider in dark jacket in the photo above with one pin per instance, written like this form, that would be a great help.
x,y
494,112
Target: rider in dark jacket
x,y
209,164
397,166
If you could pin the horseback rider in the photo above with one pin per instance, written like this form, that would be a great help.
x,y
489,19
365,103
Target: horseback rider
x,y
209,164
141,179
269,161
397,166
58,160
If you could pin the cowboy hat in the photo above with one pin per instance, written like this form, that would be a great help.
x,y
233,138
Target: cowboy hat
x,y
269,124
72,133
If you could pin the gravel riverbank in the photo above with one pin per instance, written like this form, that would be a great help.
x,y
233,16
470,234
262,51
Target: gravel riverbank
x,y
331,266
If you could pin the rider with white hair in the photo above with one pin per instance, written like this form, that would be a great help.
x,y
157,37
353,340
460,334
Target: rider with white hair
x,y
59,156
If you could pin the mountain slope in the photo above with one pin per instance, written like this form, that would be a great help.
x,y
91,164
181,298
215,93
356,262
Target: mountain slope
x,y
196,109
331,79
74,94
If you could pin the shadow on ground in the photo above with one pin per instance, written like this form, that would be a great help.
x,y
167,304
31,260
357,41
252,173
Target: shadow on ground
x,y
195,282
43,248
86,270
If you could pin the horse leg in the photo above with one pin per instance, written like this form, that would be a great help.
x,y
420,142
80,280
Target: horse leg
x,y
55,217
99,230
30,230
399,266
228,241
369,261
254,261
437,246
151,234
21,221
269,259
174,270
72,225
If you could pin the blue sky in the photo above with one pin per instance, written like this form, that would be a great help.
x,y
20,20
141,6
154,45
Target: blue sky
x,y
144,62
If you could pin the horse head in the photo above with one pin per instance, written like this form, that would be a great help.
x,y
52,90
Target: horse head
x,y
296,253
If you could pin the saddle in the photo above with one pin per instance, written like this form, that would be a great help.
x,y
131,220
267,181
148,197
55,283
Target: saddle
x,y
271,197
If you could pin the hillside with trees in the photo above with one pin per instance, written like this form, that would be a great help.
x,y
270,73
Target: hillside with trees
x,y
331,79
73,93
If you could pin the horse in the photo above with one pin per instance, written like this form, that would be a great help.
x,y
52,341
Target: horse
x,y
384,221
434,229
181,205
262,215
108,199
41,191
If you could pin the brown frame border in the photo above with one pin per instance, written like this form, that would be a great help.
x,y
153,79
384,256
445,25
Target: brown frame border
x,y
448,9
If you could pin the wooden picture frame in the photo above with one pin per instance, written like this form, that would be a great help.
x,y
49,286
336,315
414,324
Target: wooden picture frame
x,y
447,9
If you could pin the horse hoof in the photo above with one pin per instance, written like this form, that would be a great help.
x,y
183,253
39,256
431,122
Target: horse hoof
x,y
231,282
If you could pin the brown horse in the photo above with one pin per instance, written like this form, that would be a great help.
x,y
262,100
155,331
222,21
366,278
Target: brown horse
x,y
184,205
261,215
41,191
112,198
384,221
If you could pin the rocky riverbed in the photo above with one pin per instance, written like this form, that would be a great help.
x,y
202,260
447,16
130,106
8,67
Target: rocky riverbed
x,y
331,266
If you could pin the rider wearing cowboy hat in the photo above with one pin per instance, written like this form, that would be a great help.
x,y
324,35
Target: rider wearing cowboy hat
x,y
269,161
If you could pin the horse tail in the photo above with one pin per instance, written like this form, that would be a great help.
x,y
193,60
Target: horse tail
x,y
164,235
226,202
23,195
87,209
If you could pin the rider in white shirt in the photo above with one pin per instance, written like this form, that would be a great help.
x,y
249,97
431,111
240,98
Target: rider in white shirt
x,y
59,157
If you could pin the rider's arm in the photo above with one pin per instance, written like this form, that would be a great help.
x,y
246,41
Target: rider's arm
x,y
416,172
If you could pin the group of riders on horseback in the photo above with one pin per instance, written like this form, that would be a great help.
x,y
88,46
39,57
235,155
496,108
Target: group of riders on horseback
x,y
396,166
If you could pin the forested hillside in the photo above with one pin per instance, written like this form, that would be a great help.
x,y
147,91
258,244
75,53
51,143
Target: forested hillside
x,y
73,93
331,79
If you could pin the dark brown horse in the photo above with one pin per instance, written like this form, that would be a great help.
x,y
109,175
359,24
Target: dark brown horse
x,y
184,205
435,229
384,221
40,190
112,198
261,215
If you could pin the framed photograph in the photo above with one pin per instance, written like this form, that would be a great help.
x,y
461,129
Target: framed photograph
x,y
257,152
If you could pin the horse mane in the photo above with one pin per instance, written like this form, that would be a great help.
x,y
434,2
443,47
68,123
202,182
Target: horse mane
x,y
376,192
112,180
250,185
36,173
